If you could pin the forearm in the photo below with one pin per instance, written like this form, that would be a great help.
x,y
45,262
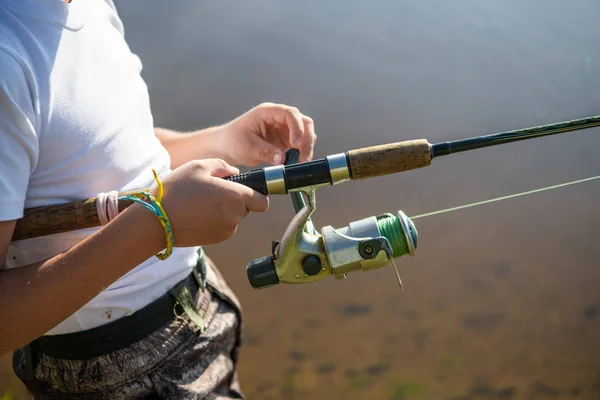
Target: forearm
x,y
37,297
197,145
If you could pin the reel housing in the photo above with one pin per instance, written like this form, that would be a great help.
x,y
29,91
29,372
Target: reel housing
x,y
305,255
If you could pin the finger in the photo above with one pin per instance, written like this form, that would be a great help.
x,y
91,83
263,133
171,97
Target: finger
x,y
268,152
288,116
257,202
295,124
278,135
219,168
308,140
254,200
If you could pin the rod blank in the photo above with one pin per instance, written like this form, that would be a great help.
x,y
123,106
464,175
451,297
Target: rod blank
x,y
456,146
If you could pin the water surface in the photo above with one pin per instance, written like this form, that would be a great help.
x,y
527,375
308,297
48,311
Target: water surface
x,y
502,300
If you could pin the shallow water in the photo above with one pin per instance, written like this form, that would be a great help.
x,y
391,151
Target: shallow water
x,y
501,300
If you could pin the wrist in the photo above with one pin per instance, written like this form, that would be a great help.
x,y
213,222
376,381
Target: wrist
x,y
226,144
144,228
215,142
195,145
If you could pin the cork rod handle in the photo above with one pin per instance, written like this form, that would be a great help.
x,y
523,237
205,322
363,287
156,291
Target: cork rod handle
x,y
48,220
369,162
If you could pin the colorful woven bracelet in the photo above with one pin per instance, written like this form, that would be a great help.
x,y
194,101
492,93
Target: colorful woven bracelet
x,y
157,209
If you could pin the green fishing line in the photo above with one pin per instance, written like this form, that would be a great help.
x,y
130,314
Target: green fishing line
x,y
390,228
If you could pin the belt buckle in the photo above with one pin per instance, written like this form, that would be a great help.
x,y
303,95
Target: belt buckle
x,y
184,297
199,271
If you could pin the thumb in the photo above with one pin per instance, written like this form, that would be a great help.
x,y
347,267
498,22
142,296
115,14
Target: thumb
x,y
219,168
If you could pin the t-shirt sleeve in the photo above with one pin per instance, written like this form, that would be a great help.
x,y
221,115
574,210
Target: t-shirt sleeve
x,y
19,145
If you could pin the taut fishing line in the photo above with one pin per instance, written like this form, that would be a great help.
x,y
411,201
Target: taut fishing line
x,y
505,197
390,226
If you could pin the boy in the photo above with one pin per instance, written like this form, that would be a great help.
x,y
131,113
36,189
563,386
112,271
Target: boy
x,y
97,313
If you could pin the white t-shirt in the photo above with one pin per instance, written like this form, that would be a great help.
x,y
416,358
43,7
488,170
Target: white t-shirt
x,y
75,121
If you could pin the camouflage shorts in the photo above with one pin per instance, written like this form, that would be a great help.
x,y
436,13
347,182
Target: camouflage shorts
x,y
177,361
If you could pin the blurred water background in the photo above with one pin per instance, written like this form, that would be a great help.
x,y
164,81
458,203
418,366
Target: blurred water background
x,y
502,300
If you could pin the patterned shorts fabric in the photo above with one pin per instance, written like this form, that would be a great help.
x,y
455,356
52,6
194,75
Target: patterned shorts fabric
x,y
178,361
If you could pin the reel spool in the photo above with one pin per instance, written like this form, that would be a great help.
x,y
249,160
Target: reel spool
x,y
369,243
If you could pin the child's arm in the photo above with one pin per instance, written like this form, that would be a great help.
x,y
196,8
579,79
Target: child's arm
x,y
261,135
37,297
203,208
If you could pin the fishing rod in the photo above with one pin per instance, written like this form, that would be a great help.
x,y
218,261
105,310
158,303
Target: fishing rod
x,y
386,159
304,254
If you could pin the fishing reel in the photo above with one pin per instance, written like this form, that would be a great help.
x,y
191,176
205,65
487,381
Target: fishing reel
x,y
305,255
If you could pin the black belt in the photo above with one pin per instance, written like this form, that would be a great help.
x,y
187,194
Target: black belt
x,y
124,331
